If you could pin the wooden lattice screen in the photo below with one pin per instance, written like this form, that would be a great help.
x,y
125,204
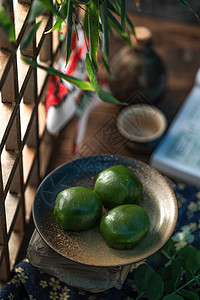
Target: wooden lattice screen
x,y
25,145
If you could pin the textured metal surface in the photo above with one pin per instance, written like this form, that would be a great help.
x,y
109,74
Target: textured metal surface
x,y
88,247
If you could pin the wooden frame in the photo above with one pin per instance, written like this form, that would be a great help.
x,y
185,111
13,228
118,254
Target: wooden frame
x,y
25,146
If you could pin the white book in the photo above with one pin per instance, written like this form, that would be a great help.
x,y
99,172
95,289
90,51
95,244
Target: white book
x,y
178,154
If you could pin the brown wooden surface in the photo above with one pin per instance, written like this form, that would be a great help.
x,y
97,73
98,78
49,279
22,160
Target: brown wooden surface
x,y
179,47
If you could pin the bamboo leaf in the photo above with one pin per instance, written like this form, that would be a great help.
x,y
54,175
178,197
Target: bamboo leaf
x,y
93,22
106,64
117,12
69,30
51,7
86,2
90,71
123,13
38,7
106,97
56,25
130,25
103,95
59,21
117,4
113,9
186,4
85,23
30,35
104,19
7,25
84,85
117,26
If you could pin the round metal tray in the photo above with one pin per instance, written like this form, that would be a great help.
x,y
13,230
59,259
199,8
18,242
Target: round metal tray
x,y
88,247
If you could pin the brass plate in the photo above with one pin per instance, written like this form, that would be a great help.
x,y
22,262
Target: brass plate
x,y
88,247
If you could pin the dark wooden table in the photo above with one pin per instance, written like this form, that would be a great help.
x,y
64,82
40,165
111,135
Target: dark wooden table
x,y
179,47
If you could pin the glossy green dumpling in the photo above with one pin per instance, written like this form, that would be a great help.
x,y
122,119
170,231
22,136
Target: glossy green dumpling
x,y
118,185
124,226
77,208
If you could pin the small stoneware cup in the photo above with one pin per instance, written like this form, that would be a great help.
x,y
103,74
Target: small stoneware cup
x,y
142,125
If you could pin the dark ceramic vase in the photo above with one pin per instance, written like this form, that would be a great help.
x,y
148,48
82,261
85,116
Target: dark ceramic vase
x,y
138,70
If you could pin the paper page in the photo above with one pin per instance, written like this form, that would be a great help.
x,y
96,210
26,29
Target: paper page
x,y
179,152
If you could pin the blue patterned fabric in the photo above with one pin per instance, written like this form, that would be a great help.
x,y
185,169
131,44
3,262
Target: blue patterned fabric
x,y
29,283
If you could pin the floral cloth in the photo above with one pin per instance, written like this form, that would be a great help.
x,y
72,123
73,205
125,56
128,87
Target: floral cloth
x,y
29,283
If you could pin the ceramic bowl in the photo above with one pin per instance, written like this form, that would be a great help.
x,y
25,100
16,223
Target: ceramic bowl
x,y
142,125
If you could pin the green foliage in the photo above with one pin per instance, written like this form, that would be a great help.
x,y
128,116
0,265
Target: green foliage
x,y
63,11
173,297
7,25
187,5
30,35
104,96
69,30
100,16
84,85
37,9
105,27
175,274
93,25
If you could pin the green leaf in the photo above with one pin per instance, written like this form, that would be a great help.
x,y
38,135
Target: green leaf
x,y
186,4
123,13
113,9
93,24
59,21
104,19
189,258
130,25
56,25
51,7
84,85
106,97
103,95
90,71
171,275
189,295
164,255
142,275
175,272
172,297
117,5
85,23
106,64
37,9
166,275
157,259
69,30
7,25
155,287
30,35
117,26
169,248
117,9
86,2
